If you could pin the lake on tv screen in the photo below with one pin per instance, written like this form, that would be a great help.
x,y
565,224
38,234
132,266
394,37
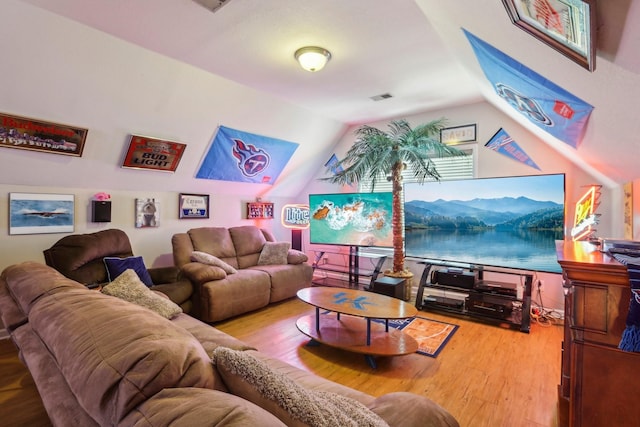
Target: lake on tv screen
x,y
526,250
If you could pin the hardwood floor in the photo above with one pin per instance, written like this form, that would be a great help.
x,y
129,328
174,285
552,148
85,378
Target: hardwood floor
x,y
485,376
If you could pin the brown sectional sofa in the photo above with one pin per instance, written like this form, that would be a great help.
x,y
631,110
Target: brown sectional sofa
x,y
219,295
100,360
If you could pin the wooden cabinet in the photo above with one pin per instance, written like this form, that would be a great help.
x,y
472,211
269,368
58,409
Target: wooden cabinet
x,y
259,210
599,384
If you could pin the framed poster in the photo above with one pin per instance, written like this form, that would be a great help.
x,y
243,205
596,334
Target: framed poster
x,y
147,213
458,134
568,26
193,206
38,135
31,213
152,153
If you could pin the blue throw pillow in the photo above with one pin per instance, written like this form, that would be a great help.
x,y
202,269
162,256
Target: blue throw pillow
x,y
116,266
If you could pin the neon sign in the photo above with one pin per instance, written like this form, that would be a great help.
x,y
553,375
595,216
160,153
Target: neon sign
x,y
585,217
295,216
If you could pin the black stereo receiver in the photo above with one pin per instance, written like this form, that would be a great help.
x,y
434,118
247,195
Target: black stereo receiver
x,y
492,307
454,277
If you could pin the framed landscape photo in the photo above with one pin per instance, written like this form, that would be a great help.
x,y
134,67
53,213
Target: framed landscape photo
x,y
151,153
193,206
458,134
568,26
31,213
37,135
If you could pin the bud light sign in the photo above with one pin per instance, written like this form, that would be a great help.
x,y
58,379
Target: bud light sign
x,y
295,216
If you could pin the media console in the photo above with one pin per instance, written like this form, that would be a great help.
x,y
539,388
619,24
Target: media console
x,y
449,288
328,261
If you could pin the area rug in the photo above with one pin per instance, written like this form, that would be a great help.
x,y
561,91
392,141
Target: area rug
x,y
432,335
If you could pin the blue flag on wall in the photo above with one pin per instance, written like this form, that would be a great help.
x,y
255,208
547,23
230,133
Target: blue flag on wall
x,y
245,157
502,143
544,103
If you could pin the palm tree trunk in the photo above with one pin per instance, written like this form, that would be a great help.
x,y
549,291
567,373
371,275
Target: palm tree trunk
x,y
397,218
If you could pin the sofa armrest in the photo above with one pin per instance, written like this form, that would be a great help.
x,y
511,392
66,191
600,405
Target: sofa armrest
x,y
409,410
295,256
160,275
202,273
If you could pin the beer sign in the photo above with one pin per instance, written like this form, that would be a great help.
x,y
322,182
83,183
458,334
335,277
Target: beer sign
x,y
295,216
585,217
152,153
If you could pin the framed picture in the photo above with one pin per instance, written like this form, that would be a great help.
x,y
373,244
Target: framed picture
x,y
31,213
193,206
147,213
151,153
568,26
458,134
37,135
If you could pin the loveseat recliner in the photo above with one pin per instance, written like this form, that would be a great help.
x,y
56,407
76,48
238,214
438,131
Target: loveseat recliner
x,y
238,280
81,257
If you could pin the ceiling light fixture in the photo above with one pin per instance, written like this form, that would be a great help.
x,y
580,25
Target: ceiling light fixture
x,y
312,58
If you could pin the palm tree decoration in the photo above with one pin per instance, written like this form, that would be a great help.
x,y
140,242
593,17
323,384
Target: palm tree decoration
x,y
375,154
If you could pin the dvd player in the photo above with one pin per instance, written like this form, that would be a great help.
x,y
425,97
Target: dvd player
x,y
432,300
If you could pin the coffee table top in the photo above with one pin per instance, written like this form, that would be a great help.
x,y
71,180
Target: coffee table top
x,y
357,303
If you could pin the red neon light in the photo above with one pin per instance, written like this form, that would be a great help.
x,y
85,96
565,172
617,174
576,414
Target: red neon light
x,y
584,218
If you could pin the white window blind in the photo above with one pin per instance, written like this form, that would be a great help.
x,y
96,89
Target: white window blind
x,y
459,167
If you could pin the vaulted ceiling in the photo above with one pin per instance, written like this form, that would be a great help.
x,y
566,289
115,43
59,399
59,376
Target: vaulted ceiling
x,y
413,50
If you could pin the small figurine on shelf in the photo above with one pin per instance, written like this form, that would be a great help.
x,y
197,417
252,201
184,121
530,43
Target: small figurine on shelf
x,y
102,196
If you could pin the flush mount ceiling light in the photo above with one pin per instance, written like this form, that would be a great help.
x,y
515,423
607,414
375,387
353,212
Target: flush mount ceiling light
x,y
312,58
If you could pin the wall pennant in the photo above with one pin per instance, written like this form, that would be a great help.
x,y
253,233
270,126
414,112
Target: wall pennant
x,y
542,102
245,157
502,143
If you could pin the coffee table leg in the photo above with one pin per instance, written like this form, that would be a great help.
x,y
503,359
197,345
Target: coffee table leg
x,y
368,331
317,319
371,361
386,325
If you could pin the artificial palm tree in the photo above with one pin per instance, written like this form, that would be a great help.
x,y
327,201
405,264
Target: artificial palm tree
x,y
376,154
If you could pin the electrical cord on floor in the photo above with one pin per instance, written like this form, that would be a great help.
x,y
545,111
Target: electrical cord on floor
x,y
541,315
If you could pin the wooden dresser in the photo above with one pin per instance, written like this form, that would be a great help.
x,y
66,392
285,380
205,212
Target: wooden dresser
x,y
600,385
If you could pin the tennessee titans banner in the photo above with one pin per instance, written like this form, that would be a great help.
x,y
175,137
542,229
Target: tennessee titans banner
x,y
544,103
240,156
502,143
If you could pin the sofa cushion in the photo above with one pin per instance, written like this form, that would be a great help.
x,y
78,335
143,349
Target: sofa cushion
x,y
116,266
403,408
205,258
198,407
274,253
248,241
129,287
294,405
202,273
215,241
114,354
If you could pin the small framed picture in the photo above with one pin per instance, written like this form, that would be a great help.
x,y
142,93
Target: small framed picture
x,y
41,213
152,153
193,206
147,213
458,134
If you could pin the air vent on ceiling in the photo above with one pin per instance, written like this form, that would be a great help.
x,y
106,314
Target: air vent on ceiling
x,y
381,97
212,5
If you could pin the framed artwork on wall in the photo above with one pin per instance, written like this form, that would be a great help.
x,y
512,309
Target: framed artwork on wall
x,y
193,206
147,213
37,135
31,213
568,26
458,134
152,153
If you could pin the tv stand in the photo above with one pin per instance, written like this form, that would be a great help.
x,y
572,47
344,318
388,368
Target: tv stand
x,y
465,291
350,268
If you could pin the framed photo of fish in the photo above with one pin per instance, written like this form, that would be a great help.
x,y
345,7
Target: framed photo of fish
x,y
31,213
151,153
37,135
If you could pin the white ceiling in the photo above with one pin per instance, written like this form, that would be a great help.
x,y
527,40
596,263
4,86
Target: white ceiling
x,y
413,50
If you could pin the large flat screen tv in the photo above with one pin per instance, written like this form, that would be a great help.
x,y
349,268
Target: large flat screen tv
x,y
508,222
351,219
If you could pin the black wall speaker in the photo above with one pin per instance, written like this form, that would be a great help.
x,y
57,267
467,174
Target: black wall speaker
x,y
100,211
296,239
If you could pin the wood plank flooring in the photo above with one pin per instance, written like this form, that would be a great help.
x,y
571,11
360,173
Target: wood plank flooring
x,y
486,375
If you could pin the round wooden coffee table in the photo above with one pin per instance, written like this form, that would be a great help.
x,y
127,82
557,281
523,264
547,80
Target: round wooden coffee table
x,y
355,331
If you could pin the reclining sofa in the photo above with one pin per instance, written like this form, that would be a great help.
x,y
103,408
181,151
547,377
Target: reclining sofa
x,y
81,257
231,272
100,360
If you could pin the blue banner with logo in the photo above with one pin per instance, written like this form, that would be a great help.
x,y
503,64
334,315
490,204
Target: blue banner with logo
x,y
245,157
544,103
502,143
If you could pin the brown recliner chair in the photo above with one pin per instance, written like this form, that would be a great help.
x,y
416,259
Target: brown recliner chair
x,y
80,258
